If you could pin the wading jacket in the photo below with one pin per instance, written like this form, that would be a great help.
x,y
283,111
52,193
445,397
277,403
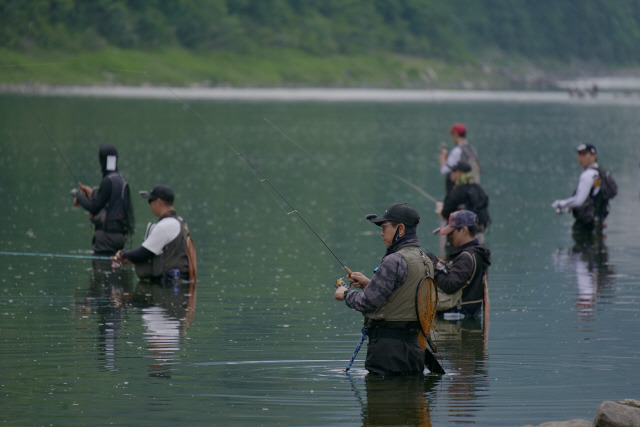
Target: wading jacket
x,y
107,204
460,271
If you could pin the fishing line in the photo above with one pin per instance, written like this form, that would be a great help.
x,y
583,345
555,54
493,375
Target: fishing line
x,y
52,141
51,255
263,178
415,187
320,162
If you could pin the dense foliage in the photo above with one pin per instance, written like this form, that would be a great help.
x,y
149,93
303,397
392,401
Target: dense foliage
x,y
452,29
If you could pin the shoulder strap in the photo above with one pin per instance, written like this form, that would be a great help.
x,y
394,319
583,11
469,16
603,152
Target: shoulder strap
x,y
473,260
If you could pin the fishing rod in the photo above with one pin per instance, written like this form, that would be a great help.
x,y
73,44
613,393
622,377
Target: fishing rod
x,y
319,161
415,187
263,177
52,255
324,165
52,142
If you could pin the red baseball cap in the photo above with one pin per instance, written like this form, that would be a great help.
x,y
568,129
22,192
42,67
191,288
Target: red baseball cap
x,y
458,128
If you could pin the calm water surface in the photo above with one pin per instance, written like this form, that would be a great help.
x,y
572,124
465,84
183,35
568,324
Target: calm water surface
x,y
260,340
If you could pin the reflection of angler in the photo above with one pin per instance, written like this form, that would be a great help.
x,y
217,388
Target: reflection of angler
x,y
167,312
398,400
105,300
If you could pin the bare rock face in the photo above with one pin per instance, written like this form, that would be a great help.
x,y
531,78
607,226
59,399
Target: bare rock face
x,y
625,413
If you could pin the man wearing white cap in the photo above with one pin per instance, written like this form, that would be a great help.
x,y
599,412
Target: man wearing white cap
x,y
587,207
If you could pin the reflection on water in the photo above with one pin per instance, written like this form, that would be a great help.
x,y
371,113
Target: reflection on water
x,y
401,400
589,260
269,345
407,400
463,344
166,311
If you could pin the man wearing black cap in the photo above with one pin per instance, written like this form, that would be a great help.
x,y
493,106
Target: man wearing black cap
x,y
588,216
469,195
109,205
388,298
164,250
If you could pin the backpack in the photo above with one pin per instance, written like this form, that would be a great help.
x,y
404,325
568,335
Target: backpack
x,y
479,203
608,190
129,218
608,186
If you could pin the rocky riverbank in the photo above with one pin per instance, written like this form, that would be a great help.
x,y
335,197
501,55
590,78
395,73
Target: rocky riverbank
x,y
624,413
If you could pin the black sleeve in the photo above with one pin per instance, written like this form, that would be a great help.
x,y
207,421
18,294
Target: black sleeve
x,y
459,273
99,198
136,256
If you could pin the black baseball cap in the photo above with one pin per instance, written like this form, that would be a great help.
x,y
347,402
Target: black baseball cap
x,y
586,148
400,213
160,191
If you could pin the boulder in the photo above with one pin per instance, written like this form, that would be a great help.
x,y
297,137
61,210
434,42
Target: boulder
x,y
625,413
570,423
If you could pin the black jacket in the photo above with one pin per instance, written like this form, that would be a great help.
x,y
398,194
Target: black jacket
x,y
460,270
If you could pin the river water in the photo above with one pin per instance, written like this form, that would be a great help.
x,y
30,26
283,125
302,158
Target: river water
x,y
260,340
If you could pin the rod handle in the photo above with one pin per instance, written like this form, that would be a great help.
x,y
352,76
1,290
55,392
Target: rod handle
x,y
348,271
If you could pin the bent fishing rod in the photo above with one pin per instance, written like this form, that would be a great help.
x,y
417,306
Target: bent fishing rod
x,y
262,177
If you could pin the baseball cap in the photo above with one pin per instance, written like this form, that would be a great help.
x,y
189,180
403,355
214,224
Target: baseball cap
x,y
459,219
586,147
160,191
400,213
458,128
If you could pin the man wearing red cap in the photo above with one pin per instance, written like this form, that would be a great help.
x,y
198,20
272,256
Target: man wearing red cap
x,y
462,151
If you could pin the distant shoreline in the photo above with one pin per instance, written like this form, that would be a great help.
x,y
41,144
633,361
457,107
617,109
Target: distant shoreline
x,y
309,94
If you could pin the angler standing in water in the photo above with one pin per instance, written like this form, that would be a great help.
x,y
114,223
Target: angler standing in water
x,y
167,251
462,151
388,298
109,205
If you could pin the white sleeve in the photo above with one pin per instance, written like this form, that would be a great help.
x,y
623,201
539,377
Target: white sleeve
x,y
161,234
584,188
452,159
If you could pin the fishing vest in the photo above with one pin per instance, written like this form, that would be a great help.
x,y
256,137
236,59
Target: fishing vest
x,y
401,305
469,155
113,217
174,256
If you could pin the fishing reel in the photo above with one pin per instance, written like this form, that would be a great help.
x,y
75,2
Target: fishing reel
x,y
341,282
74,192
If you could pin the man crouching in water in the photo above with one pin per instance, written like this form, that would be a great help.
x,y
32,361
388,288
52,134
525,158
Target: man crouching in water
x,y
163,252
388,298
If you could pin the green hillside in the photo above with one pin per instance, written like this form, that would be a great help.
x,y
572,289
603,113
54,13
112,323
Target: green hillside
x,y
381,43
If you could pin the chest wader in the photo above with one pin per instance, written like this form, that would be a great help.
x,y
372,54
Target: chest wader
x,y
393,328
